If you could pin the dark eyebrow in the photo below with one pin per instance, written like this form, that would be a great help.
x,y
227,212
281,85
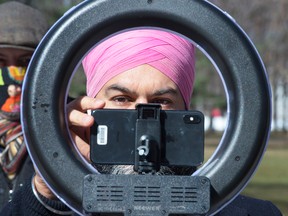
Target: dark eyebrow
x,y
117,87
165,91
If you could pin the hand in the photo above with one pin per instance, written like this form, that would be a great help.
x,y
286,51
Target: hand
x,y
42,188
79,123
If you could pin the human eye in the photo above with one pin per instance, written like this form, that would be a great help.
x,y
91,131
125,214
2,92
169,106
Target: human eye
x,y
121,100
162,101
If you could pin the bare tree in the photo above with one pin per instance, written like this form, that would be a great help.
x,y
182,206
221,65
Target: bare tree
x,y
266,23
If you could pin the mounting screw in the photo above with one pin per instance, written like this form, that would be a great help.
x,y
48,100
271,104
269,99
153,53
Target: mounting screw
x,y
89,178
163,212
203,181
129,211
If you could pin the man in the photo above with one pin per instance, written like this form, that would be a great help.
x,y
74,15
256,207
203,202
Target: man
x,y
138,66
21,29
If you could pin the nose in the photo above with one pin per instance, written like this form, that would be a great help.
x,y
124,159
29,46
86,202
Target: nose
x,y
140,101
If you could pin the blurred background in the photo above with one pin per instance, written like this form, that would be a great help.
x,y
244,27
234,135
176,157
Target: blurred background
x,y
266,23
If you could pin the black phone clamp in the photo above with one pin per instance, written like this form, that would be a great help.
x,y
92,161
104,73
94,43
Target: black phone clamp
x,y
148,139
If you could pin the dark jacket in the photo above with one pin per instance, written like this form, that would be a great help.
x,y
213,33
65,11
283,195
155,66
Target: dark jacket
x,y
7,188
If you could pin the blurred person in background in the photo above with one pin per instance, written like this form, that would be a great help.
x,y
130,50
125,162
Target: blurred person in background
x,y
21,29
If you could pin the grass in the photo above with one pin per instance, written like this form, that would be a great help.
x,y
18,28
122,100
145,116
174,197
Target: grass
x,y
270,182
271,179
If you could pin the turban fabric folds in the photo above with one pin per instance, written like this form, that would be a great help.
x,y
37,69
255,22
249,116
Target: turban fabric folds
x,y
165,51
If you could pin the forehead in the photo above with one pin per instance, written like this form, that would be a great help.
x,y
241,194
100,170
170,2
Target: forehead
x,y
143,76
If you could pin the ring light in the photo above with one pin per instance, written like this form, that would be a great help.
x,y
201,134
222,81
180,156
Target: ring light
x,y
244,76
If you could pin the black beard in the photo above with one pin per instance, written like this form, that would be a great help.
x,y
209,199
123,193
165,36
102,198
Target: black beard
x,y
128,170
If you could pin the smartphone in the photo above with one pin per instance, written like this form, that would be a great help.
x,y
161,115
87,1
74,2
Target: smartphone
x,y
112,137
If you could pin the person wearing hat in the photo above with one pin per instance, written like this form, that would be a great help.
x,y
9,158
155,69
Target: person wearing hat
x,y
21,29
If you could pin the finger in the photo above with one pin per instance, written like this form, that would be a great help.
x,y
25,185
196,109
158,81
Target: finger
x,y
76,108
77,118
82,146
85,103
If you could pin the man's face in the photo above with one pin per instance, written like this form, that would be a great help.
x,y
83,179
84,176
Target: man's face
x,y
143,84
14,57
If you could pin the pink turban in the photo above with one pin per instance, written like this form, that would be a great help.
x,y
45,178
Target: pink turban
x,y
167,52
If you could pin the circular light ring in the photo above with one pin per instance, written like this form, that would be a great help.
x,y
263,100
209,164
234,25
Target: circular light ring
x,y
63,47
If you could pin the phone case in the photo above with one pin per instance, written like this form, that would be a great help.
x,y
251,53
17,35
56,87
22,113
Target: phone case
x,y
114,132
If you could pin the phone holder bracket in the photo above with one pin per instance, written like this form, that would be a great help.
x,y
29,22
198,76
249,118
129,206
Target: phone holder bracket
x,y
148,139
